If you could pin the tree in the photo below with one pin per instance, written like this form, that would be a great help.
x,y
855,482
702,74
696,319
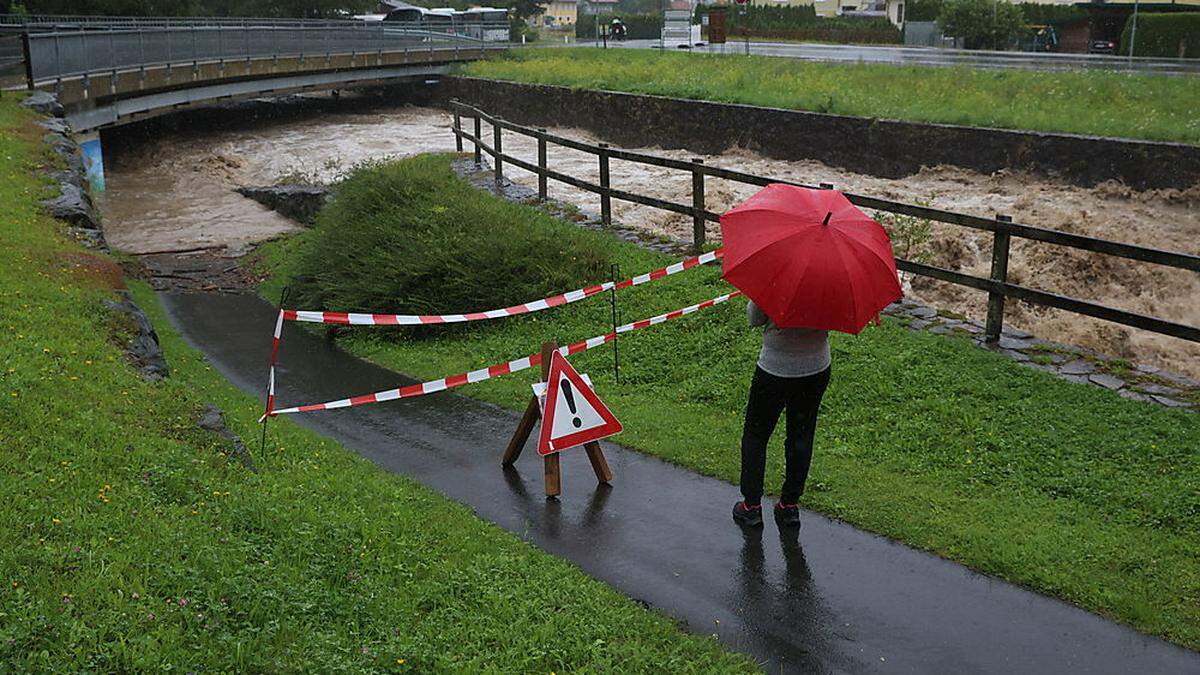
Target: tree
x,y
922,10
981,23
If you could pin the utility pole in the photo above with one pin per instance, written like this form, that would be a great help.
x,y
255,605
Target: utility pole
x,y
1133,31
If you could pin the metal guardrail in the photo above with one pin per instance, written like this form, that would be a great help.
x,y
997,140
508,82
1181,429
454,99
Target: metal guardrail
x,y
91,22
1002,228
54,55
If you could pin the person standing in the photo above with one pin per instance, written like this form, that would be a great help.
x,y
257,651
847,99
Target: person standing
x,y
791,375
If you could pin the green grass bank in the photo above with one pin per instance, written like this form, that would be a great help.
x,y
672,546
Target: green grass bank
x,y
1067,489
130,541
1150,107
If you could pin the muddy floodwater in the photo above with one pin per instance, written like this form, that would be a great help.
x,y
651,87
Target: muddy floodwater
x,y
174,191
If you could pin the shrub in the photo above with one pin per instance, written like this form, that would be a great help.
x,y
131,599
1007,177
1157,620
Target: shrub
x,y
1164,35
800,22
411,237
982,24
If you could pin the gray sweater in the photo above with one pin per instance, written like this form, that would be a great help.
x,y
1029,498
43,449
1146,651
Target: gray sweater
x,y
789,352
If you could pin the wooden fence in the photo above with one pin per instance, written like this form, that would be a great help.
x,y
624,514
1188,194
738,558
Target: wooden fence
x,y
1003,228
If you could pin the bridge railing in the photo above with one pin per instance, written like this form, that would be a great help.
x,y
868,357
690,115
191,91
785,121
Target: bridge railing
x,y
59,54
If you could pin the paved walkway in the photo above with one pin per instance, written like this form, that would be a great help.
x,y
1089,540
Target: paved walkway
x,y
834,600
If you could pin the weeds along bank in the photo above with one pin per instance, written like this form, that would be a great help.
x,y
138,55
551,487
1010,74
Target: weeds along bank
x,y
130,540
1102,103
1067,489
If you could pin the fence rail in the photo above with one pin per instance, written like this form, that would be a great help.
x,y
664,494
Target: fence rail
x,y
61,54
1003,229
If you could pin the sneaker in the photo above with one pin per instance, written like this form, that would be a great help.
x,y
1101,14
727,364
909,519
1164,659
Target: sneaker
x,y
787,515
744,514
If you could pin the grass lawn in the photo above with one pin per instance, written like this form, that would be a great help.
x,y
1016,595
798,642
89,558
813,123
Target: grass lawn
x,y
129,541
1068,489
1154,107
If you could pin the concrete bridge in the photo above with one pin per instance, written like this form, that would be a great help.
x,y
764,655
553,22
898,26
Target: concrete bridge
x,y
111,71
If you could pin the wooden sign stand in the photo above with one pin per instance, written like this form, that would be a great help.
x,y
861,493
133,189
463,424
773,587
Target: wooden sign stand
x,y
533,412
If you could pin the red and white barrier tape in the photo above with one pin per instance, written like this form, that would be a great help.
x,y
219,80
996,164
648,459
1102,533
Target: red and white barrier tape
x,y
491,371
353,319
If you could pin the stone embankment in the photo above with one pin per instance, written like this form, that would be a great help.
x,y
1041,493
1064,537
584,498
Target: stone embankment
x,y
75,208
301,203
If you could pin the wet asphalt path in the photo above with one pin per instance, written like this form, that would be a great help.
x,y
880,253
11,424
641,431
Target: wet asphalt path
x,y
834,600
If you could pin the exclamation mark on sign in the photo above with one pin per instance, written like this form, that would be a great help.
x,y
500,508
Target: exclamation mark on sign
x,y
566,390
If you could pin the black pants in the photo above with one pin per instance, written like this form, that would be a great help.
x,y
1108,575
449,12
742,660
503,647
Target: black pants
x,y
769,396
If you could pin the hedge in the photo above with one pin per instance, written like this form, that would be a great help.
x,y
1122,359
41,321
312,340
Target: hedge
x,y
1166,35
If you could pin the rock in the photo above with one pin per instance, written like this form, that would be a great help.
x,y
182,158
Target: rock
x,y
1016,333
940,329
1078,367
73,205
212,419
1179,380
1014,343
1133,395
55,125
44,103
1148,369
1107,381
142,349
918,324
298,202
923,312
93,239
1015,355
68,150
1155,388
1170,402
1078,379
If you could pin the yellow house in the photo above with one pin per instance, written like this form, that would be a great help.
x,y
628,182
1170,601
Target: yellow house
x,y
559,13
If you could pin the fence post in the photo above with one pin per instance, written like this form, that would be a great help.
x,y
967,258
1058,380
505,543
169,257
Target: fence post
x,y
478,137
698,221
457,131
28,60
497,162
541,152
605,199
995,314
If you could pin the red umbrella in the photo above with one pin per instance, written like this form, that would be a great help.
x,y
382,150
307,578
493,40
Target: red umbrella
x,y
809,258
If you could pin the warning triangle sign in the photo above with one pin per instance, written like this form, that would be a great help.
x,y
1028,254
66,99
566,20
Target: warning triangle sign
x,y
574,414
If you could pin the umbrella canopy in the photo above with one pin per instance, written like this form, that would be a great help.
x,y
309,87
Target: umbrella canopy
x,y
809,258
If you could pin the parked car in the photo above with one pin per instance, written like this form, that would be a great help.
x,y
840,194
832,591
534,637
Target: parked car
x,y
1102,47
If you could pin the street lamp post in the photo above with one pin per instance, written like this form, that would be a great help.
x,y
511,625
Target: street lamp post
x,y
1133,30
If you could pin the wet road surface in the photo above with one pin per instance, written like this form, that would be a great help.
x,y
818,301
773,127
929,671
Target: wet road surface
x,y
834,600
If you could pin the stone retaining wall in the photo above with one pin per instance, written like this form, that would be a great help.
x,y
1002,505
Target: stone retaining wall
x,y
884,148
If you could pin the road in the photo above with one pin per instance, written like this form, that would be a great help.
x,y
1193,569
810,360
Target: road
x,y
835,599
925,56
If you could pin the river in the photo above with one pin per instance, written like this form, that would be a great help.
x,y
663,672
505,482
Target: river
x,y
170,187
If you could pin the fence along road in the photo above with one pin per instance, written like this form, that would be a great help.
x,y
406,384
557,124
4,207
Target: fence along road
x,y
923,56
1002,227
112,72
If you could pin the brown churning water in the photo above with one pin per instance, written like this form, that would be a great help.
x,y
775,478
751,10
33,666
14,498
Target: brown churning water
x,y
175,191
